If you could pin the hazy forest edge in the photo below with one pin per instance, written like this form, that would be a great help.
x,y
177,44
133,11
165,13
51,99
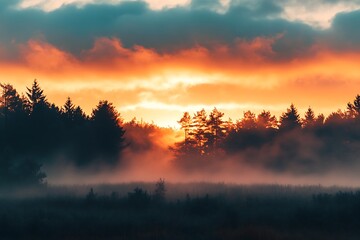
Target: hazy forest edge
x,y
35,133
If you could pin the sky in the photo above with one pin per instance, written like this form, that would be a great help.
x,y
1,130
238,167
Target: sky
x,y
156,59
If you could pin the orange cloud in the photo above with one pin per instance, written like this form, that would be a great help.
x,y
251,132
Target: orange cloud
x,y
157,86
257,49
43,56
111,49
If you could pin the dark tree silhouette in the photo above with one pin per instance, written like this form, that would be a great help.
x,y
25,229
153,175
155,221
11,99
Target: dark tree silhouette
x,y
72,115
265,120
204,137
36,97
17,166
217,128
251,131
201,131
13,110
335,118
139,198
248,121
91,196
354,108
34,131
69,109
186,124
320,119
45,121
229,126
160,190
20,171
79,116
107,132
309,120
290,119
11,101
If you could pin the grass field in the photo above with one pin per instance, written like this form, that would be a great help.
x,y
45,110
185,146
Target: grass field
x,y
189,211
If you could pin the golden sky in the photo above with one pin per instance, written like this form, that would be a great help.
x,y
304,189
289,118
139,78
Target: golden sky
x,y
156,61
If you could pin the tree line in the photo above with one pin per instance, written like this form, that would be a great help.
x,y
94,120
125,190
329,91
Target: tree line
x,y
35,132
311,143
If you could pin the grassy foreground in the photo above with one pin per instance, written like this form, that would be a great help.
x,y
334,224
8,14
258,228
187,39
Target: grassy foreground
x,y
188,211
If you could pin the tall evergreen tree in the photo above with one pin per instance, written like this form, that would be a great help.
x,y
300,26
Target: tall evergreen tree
x,y
248,121
309,120
17,166
201,130
35,96
73,115
290,119
69,108
335,118
10,99
185,123
107,131
44,122
265,120
79,116
229,125
217,128
13,116
353,109
319,121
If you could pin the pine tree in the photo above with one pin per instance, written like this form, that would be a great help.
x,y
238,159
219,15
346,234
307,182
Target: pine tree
x,y
353,109
186,123
201,131
13,116
320,119
229,126
266,120
290,119
309,120
79,115
73,115
216,127
248,121
10,99
69,109
35,96
106,115
335,117
108,134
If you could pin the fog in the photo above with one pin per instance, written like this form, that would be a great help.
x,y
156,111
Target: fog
x,y
148,158
41,143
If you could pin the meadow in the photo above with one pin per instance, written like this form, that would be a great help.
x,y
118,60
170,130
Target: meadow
x,y
181,211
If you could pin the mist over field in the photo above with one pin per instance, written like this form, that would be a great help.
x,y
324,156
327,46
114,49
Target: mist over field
x,y
148,158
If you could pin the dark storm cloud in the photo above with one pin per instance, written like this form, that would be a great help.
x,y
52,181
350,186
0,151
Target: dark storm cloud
x,y
74,29
205,4
259,8
344,32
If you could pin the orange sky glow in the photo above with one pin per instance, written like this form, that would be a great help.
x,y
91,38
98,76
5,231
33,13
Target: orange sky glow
x,y
159,87
156,60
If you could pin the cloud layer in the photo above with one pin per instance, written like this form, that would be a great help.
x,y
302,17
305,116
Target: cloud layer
x,y
74,28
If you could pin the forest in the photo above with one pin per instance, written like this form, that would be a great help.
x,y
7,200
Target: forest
x,y
36,133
